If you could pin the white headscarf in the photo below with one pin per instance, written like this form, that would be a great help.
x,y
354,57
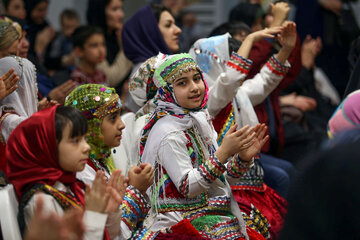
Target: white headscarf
x,y
212,55
24,100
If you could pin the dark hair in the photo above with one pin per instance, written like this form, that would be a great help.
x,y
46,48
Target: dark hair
x,y
233,28
246,12
83,33
157,9
69,13
234,45
6,4
65,115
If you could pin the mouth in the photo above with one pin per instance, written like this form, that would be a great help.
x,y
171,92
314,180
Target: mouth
x,y
118,136
195,97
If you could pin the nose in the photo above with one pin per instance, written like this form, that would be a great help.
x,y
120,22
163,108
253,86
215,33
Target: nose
x,y
194,87
121,124
86,147
177,30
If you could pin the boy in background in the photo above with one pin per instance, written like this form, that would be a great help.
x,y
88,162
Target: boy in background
x,y
90,49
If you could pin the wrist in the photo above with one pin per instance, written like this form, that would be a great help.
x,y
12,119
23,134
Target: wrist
x,y
221,155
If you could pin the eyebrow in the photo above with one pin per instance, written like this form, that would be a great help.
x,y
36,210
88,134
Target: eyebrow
x,y
182,78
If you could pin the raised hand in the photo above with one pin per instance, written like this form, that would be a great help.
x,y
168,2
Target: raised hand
x,y
279,12
287,37
8,83
117,188
141,177
97,197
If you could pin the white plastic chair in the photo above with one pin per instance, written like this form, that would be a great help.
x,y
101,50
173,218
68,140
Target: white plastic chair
x,y
8,213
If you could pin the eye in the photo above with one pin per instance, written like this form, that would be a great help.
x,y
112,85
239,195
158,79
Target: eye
x,y
197,78
180,83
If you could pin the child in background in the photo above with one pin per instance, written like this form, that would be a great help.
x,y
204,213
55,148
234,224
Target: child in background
x,y
59,54
90,49
101,107
192,173
58,133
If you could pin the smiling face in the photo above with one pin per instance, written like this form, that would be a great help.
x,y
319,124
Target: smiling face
x,y
73,151
114,15
169,31
189,90
111,129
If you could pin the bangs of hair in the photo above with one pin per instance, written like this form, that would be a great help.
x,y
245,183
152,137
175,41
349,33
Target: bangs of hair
x,y
69,115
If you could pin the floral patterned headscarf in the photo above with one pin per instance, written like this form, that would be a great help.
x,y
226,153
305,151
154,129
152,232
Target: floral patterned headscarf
x,y
96,102
166,70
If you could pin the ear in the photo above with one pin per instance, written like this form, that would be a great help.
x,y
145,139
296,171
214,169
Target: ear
x,y
78,52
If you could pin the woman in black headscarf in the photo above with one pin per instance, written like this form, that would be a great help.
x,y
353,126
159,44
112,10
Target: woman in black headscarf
x,y
108,15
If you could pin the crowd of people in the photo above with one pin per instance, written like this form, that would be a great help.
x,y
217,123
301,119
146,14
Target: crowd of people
x,y
150,129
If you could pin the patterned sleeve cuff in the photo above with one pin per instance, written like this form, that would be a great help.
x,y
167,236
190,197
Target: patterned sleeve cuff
x,y
239,63
276,67
237,167
134,207
211,169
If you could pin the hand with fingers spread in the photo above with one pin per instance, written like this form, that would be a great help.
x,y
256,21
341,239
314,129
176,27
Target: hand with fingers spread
x,y
97,197
254,144
141,177
287,39
117,187
247,44
59,93
233,142
54,227
8,83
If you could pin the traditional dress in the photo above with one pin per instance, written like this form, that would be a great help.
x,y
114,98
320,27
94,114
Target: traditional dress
x,y
191,184
231,101
96,102
20,104
31,172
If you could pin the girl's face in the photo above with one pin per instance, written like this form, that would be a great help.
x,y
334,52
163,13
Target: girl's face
x,y
111,129
38,14
73,152
189,90
169,31
114,15
16,8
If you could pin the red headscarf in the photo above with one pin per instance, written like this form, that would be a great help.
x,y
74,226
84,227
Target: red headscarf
x,y
32,155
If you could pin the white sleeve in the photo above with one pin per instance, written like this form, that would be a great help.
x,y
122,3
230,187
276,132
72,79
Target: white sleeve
x,y
174,157
94,222
259,87
9,123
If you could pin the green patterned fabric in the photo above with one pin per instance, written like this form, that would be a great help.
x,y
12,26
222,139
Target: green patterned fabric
x,y
96,101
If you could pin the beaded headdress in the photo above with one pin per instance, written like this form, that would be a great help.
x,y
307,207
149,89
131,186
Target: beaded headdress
x,y
9,32
96,102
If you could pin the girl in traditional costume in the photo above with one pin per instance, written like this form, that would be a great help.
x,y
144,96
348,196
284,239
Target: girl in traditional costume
x,y
44,152
101,107
191,182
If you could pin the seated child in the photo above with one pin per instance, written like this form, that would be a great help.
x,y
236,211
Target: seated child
x,y
44,152
101,107
192,173
90,49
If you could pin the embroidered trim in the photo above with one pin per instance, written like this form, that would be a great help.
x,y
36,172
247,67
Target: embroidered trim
x,y
230,121
258,222
236,167
276,67
144,234
211,169
134,208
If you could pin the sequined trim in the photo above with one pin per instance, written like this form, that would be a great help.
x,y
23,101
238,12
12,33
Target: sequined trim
x,y
134,208
257,222
211,169
230,121
236,167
